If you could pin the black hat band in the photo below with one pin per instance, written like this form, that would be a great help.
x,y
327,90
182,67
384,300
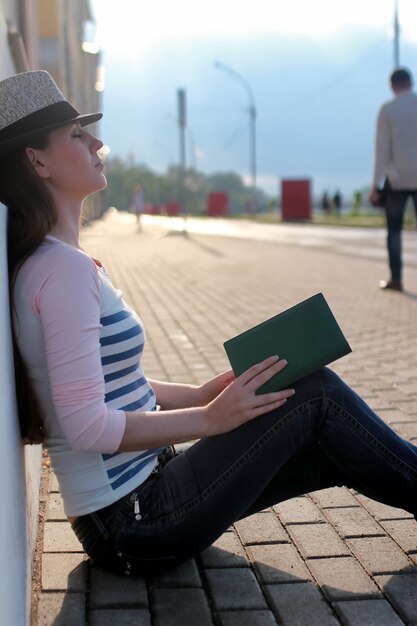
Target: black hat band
x,y
52,115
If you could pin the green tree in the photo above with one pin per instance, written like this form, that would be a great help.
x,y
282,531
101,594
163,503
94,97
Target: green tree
x,y
163,188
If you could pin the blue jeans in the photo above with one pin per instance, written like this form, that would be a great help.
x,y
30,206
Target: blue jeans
x,y
325,435
394,211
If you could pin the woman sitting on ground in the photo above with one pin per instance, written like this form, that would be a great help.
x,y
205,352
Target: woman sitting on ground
x,y
135,504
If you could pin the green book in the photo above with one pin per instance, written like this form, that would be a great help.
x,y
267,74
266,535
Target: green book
x,y
306,335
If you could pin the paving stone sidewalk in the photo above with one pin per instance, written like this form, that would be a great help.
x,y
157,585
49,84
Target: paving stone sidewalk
x,y
327,558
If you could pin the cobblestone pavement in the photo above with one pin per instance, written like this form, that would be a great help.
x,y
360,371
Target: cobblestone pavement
x,y
330,557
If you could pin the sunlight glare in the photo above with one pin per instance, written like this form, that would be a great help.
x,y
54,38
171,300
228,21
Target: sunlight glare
x,y
132,27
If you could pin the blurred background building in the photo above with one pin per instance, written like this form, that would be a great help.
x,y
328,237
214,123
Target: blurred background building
x,y
55,35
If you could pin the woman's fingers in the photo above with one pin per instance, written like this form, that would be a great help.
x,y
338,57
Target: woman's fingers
x,y
260,373
257,369
266,408
266,399
270,401
255,405
239,403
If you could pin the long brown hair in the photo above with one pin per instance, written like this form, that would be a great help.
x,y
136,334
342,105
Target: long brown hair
x,y
31,216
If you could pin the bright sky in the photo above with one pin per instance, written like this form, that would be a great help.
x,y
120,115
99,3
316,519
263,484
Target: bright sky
x,y
128,27
139,34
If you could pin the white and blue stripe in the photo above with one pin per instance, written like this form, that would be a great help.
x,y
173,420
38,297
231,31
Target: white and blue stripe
x,y
126,387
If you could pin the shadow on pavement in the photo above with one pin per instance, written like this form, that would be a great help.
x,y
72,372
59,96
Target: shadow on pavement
x,y
189,238
219,582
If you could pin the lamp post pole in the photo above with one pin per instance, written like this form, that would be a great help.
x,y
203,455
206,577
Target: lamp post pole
x,y
182,124
252,116
396,36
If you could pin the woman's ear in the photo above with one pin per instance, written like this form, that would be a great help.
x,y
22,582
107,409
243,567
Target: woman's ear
x,y
37,162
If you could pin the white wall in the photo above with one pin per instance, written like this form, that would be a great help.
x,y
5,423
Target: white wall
x,y
20,470
20,473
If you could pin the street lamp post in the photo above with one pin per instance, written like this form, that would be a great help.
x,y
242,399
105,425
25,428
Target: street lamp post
x,y
252,116
396,36
182,123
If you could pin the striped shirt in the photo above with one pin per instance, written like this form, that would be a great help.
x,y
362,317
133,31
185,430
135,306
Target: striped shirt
x,y
82,345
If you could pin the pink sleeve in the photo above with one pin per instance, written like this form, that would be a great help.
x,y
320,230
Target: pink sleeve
x,y
68,303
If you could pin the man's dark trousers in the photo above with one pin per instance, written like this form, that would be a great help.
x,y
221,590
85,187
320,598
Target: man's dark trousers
x,y
395,205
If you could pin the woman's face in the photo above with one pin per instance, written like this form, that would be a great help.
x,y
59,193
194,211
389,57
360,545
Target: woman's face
x,y
70,164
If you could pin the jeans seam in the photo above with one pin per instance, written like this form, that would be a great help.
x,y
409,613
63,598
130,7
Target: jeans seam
x,y
385,452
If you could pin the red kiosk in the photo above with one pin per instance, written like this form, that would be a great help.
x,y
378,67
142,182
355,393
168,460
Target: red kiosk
x,y
217,204
296,199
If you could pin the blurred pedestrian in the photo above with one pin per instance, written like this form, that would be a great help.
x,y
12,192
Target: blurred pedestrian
x,y
325,203
337,202
138,204
396,166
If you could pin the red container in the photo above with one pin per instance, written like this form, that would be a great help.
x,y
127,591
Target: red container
x,y
296,199
172,209
217,203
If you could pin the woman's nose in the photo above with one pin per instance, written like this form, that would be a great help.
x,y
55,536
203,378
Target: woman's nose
x,y
96,144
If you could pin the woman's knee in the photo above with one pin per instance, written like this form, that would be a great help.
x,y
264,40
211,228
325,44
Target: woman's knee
x,y
317,382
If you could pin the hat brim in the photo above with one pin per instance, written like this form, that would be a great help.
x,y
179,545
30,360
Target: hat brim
x,y
24,139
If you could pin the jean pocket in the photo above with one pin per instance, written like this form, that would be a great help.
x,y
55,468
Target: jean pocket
x,y
124,563
135,507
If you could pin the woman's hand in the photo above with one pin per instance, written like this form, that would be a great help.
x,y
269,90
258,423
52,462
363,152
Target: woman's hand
x,y
238,403
213,387
230,402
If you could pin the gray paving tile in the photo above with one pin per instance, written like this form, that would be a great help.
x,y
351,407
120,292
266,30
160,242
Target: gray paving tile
x,y
235,588
395,416
278,563
56,508
261,528
404,532
110,590
290,603
64,571
335,497
382,511
61,609
317,540
379,555
342,578
298,511
119,617
59,537
246,618
353,522
368,612
407,429
401,590
227,551
171,607
186,575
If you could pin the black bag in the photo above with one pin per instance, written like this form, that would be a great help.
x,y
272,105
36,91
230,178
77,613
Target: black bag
x,y
383,195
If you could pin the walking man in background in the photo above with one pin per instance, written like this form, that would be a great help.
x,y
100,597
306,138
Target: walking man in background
x,y
396,166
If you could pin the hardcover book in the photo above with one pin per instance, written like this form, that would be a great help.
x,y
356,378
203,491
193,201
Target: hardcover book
x,y
307,335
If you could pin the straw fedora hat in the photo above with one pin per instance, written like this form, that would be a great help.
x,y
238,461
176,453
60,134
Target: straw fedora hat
x,y
31,104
